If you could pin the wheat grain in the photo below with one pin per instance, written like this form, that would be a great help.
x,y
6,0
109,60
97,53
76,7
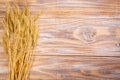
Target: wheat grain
x,y
20,36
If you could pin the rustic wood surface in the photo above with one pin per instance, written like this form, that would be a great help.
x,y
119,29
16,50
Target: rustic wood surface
x,y
78,40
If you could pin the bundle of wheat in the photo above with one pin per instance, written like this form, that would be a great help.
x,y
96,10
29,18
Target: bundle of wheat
x,y
20,37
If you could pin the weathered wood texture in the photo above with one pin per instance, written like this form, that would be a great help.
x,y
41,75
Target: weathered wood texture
x,y
72,68
78,40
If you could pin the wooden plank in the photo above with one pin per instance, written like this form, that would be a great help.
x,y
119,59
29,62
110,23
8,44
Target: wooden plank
x,y
72,2
73,13
88,9
72,68
95,37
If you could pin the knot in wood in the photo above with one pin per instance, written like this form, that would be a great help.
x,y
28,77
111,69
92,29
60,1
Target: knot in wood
x,y
89,35
117,44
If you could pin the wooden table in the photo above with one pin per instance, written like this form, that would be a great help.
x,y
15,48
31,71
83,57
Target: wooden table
x,y
78,40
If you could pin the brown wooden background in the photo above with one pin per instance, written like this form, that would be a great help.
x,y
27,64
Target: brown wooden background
x,y
78,40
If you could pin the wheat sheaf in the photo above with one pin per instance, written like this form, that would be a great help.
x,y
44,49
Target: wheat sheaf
x,y
19,39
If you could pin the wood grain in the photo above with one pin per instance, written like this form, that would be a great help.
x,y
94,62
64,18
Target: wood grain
x,y
73,8
78,37
78,40
73,68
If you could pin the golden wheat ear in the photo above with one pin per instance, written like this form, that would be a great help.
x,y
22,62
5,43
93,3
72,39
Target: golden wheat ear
x,y
20,36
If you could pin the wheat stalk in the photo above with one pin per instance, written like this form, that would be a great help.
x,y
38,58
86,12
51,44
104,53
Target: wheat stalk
x,y
20,37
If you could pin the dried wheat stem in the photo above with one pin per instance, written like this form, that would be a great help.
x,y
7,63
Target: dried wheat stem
x,y
20,36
